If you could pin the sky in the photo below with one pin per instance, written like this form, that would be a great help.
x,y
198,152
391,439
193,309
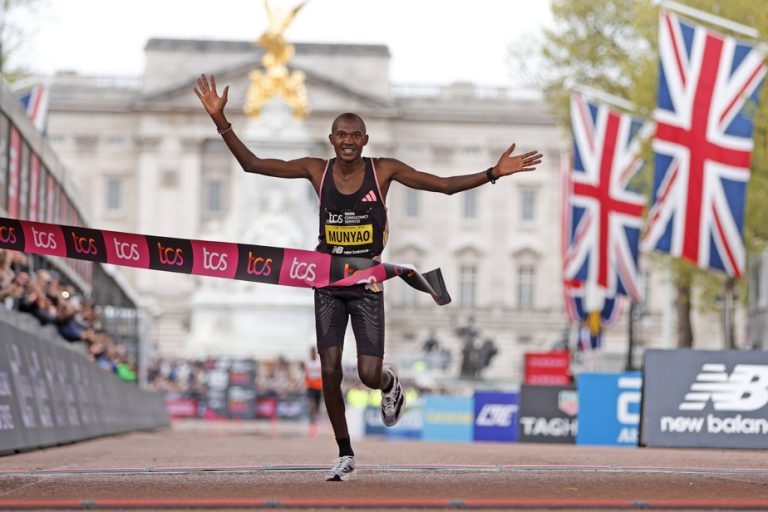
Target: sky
x,y
430,41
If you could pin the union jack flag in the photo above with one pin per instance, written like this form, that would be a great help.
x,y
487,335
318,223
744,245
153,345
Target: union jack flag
x,y
604,215
708,88
578,308
35,102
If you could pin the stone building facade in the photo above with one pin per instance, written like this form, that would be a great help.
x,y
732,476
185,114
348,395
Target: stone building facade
x,y
148,159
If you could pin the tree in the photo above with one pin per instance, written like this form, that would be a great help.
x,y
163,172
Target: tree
x,y
612,46
14,35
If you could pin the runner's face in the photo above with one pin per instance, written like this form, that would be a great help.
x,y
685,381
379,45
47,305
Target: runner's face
x,y
348,139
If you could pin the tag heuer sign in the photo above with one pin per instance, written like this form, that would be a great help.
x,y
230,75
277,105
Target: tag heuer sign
x,y
568,402
710,399
547,414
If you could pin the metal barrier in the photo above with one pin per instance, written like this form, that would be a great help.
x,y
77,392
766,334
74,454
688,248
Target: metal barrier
x,y
51,394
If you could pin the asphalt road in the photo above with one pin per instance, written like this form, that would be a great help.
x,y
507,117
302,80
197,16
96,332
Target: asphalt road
x,y
235,466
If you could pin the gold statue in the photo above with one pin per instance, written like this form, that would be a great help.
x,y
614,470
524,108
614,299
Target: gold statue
x,y
277,80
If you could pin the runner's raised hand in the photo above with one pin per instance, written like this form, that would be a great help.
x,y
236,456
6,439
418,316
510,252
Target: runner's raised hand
x,y
209,97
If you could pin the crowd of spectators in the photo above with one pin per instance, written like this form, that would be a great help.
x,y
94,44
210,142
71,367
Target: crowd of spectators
x,y
272,377
45,296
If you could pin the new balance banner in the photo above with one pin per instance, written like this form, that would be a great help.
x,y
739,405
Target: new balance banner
x,y
705,399
495,416
273,265
609,408
548,414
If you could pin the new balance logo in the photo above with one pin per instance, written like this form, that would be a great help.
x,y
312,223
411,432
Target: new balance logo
x,y
370,197
746,389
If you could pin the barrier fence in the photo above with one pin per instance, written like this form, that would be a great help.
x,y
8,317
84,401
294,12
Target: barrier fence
x,y
51,394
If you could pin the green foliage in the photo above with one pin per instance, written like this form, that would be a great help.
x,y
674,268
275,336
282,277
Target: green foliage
x,y
14,35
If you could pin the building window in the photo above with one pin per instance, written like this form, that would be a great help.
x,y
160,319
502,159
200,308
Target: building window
x,y
527,204
411,203
467,285
214,196
114,194
526,277
470,204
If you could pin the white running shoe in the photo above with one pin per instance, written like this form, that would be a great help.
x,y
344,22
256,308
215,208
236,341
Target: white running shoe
x,y
342,469
392,403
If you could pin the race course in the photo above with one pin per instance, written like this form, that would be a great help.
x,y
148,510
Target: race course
x,y
236,466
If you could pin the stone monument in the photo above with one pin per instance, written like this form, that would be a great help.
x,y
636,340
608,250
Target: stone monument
x,y
242,319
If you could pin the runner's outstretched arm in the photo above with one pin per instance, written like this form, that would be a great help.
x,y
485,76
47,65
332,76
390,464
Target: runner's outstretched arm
x,y
506,166
308,168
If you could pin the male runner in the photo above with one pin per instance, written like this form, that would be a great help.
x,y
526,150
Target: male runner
x,y
353,222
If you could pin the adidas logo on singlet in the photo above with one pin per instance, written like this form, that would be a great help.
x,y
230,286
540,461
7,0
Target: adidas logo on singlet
x,y
370,197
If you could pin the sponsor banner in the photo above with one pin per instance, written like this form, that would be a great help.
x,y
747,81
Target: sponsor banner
x,y
304,268
170,254
231,390
241,389
496,416
259,263
215,259
374,426
288,267
292,407
548,368
51,394
705,399
548,414
181,407
266,407
411,424
44,239
12,235
85,244
609,408
126,249
448,418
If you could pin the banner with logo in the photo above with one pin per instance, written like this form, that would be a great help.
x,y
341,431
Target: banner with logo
x,y
548,368
548,414
272,265
609,408
448,418
705,399
496,416
411,424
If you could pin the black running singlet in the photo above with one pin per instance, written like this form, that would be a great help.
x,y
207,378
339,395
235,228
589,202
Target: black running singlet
x,y
352,224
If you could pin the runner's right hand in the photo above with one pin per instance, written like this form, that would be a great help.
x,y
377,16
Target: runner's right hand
x,y
209,97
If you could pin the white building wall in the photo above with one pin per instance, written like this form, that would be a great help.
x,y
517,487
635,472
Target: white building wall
x,y
164,145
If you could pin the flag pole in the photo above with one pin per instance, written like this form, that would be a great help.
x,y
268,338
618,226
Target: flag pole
x,y
710,18
603,96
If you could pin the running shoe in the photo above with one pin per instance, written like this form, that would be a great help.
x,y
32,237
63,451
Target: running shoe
x,y
392,403
342,470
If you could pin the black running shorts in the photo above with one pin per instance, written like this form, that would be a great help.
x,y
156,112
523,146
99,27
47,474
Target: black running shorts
x,y
334,305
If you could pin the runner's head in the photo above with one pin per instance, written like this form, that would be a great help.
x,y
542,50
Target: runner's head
x,y
348,137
